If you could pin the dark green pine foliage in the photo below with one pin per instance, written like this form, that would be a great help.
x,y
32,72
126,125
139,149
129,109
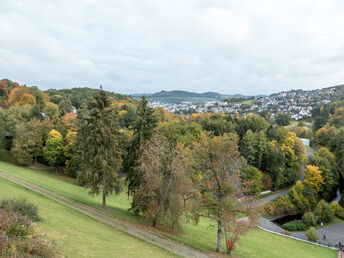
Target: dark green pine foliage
x,y
143,130
98,147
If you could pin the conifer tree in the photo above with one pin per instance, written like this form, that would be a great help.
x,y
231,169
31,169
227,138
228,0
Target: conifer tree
x,y
97,147
143,130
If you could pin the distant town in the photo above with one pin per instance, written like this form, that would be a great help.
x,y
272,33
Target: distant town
x,y
297,103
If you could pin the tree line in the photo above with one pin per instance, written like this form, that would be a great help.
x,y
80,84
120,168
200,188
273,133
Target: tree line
x,y
176,168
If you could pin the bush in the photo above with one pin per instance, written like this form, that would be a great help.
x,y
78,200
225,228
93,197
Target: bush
x,y
340,214
20,206
18,238
337,210
311,234
14,226
323,212
295,225
309,219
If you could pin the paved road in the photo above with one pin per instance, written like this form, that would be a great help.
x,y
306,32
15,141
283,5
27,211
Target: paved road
x,y
272,197
334,234
129,228
267,224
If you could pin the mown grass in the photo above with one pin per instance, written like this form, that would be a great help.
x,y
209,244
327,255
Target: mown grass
x,y
257,243
77,235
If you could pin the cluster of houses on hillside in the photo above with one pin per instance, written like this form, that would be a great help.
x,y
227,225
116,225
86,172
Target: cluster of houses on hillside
x,y
297,103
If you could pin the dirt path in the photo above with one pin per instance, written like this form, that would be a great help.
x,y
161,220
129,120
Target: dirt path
x,y
127,227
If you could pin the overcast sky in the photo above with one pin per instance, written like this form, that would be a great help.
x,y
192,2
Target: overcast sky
x,y
247,47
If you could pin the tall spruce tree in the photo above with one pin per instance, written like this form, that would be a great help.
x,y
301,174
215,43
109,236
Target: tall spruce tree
x,y
143,130
98,147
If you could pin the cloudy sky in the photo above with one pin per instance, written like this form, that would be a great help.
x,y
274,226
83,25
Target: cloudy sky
x,y
229,46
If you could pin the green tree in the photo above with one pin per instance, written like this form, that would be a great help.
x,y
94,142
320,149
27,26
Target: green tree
x,y
323,212
319,122
252,179
311,234
283,119
23,145
337,147
275,160
36,135
97,147
251,122
254,147
218,162
69,151
326,162
309,219
217,125
65,106
181,131
260,148
143,130
53,149
247,147
52,112
325,135
14,116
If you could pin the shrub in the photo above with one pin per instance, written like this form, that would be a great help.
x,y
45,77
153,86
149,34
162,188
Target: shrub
x,y
340,214
311,234
337,210
14,226
295,225
323,212
20,206
18,238
309,219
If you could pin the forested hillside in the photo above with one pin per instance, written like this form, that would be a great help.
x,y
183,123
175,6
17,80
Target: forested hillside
x,y
175,167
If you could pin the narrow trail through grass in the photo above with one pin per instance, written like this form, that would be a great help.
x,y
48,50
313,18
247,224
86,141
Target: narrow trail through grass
x,y
257,243
127,227
78,235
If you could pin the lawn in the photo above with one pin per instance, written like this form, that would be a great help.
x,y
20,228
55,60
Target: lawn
x,y
257,243
77,235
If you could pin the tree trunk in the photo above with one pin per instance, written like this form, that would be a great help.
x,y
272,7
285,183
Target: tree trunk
x,y
36,160
104,200
154,222
219,237
55,170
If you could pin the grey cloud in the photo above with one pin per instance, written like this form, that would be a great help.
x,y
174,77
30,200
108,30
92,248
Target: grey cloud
x,y
249,47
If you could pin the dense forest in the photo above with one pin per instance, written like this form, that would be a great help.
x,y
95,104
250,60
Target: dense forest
x,y
175,166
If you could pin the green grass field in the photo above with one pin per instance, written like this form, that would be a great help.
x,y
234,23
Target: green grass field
x,y
295,123
77,235
257,243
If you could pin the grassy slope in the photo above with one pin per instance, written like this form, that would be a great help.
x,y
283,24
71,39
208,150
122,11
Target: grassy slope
x,y
77,235
256,244
295,123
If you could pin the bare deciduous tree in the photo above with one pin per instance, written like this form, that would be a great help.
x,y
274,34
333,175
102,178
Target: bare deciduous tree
x,y
166,184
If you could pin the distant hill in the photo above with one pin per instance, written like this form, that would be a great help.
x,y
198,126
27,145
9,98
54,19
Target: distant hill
x,y
178,96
